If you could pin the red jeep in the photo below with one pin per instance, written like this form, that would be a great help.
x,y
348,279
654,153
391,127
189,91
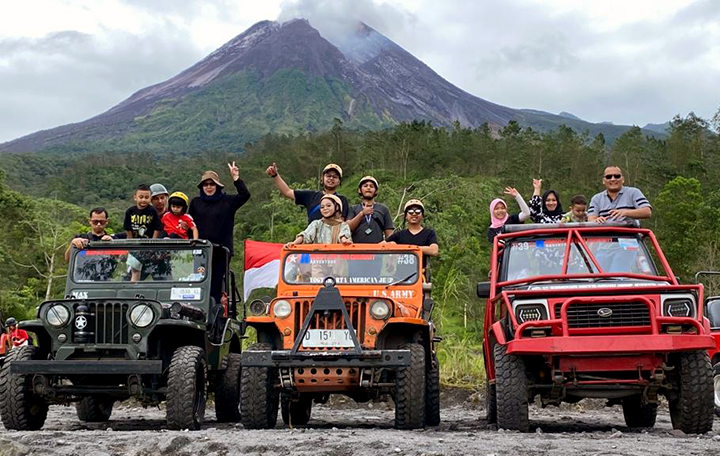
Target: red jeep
x,y
583,311
712,310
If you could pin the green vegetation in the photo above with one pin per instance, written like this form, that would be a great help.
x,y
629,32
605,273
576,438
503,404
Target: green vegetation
x,y
457,172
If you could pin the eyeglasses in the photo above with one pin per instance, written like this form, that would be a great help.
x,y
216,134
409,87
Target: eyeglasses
x,y
98,222
332,176
613,176
414,211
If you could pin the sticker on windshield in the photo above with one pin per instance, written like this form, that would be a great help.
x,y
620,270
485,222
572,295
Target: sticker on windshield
x,y
197,252
628,244
305,258
540,244
185,294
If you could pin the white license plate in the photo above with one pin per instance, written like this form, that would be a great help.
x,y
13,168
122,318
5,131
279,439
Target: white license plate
x,y
327,338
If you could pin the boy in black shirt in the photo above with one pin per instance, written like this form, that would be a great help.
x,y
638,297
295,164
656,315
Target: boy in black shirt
x,y
369,221
141,220
415,234
332,177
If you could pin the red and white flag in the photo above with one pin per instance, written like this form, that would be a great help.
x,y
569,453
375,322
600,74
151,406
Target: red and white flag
x,y
262,266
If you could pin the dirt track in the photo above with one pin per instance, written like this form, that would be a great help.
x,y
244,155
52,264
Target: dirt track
x,y
348,429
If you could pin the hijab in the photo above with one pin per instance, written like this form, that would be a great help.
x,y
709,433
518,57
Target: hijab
x,y
217,196
558,210
494,221
335,221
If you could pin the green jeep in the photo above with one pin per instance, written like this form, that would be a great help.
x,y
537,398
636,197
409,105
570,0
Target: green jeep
x,y
138,320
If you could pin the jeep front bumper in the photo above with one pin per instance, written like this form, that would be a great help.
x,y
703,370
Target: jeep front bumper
x,y
86,367
366,358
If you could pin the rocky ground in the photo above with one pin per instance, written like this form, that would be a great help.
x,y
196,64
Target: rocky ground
x,y
346,428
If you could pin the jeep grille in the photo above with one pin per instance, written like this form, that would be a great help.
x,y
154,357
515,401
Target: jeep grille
x,y
107,324
334,320
583,315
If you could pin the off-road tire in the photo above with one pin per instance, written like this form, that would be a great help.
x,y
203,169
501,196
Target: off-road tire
x,y
691,410
227,393
432,392
259,394
637,414
511,391
490,403
410,390
295,412
20,408
186,389
716,381
94,409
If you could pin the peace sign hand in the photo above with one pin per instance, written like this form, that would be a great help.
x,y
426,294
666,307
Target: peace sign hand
x,y
234,171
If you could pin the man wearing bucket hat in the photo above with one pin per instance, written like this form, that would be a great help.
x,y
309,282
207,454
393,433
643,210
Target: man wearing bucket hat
x,y
310,199
177,221
415,233
369,221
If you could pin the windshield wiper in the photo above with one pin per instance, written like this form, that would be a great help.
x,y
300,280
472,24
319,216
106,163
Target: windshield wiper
x,y
401,280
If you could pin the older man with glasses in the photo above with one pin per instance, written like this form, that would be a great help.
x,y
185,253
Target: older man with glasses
x,y
98,223
618,202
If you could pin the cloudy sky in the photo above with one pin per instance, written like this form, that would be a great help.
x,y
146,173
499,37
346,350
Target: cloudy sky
x,y
629,62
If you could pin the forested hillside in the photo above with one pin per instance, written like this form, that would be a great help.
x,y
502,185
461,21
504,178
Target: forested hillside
x,y
457,172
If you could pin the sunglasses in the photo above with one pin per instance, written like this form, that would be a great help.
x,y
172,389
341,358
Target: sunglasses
x,y
414,211
613,176
208,184
98,222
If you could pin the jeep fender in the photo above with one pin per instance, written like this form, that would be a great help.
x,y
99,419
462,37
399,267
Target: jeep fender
x,y
44,343
267,331
499,333
409,330
167,335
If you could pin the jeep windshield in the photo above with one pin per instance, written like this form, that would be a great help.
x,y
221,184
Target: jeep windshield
x,y
372,268
140,265
535,257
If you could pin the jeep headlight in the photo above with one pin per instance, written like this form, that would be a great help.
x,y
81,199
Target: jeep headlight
x,y
380,310
681,307
57,315
530,311
142,315
281,308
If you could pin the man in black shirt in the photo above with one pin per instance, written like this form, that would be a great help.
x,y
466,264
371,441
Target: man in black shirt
x,y
98,223
310,199
415,234
369,221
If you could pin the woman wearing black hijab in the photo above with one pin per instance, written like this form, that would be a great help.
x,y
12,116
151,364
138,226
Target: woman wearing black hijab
x,y
545,209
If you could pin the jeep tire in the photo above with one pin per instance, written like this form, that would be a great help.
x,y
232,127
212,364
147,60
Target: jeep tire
x,y
259,394
511,391
186,389
432,392
94,409
20,408
691,409
295,412
637,414
227,393
410,390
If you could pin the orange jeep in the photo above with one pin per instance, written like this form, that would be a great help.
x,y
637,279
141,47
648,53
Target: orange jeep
x,y
352,320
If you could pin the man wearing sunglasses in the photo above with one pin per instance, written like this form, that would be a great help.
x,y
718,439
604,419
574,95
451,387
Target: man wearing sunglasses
x,y
98,223
618,202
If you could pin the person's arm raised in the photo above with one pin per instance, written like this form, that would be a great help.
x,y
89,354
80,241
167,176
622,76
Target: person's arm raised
x,y
284,188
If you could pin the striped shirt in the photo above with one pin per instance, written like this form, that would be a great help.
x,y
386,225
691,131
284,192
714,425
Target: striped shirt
x,y
627,198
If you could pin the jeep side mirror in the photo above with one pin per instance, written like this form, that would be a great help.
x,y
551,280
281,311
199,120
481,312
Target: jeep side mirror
x,y
712,306
483,290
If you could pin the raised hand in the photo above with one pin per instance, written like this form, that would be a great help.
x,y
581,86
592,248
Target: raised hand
x,y
511,191
272,170
537,184
234,171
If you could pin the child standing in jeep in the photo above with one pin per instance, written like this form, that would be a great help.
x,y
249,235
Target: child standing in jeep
x,y
178,213
330,229
141,220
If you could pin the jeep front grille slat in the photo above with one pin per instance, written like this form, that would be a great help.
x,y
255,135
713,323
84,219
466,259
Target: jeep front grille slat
x,y
584,315
356,311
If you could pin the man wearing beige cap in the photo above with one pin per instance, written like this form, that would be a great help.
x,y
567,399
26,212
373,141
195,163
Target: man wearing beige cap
x,y
370,221
214,213
310,199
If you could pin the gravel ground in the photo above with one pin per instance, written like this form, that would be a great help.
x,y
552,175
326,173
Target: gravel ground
x,y
345,428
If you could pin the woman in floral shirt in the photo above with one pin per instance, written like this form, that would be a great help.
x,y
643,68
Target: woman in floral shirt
x,y
545,209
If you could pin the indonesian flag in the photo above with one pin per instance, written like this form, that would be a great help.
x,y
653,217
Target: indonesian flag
x,y
262,266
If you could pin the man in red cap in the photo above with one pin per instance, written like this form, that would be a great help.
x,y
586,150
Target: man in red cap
x,y
310,199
